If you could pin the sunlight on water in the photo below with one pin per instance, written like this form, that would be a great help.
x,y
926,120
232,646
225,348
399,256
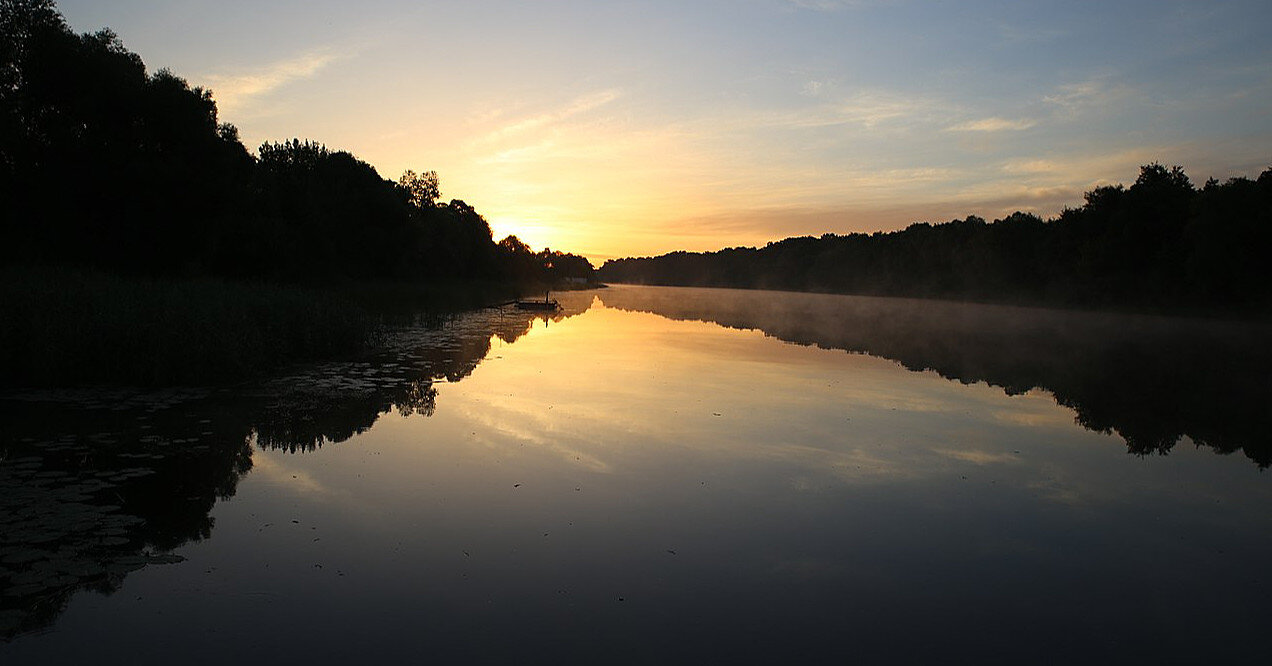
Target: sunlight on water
x,y
618,484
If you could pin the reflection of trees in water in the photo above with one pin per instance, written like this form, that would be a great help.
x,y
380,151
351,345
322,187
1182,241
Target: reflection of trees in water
x,y
87,498
419,398
335,402
1151,380
94,484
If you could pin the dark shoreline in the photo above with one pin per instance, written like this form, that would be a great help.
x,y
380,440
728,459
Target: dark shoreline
x,y
68,327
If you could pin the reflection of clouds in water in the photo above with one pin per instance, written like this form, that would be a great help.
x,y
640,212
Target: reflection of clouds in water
x,y
906,401
978,457
510,423
508,427
1054,484
600,397
292,477
1036,409
856,465
614,392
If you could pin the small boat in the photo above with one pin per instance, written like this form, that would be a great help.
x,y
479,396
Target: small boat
x,y
538,305
543,306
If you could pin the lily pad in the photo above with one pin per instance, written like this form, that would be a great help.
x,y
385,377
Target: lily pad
x,y
10,620
24,590
28,577
26,556
121,568
61,580
86,570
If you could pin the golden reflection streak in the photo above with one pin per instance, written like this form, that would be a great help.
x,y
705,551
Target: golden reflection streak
x,y
608,390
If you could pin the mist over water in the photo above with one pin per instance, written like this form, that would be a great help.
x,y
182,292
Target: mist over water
x,y
659,474
1152,380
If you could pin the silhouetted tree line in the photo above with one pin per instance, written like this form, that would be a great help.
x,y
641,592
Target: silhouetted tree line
x,y
523,263
1160,243
105,165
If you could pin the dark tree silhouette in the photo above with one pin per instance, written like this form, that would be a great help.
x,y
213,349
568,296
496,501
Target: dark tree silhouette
x,y
105,165
422,189
1160,244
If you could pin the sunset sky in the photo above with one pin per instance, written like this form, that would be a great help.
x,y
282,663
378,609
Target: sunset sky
x,y
636,128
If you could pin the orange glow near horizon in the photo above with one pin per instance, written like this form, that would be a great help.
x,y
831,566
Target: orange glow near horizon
x,y
590,128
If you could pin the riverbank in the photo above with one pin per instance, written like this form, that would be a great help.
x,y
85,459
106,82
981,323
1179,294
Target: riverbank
x,y
72,326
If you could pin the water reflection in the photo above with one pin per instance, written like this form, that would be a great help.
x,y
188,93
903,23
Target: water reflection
x,y
1151,380
95,484
622,476
335,402
88,495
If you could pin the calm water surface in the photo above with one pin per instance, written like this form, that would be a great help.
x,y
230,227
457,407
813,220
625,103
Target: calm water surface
x,y
664,475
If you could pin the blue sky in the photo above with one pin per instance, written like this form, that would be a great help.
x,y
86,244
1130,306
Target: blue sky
x,y
635,128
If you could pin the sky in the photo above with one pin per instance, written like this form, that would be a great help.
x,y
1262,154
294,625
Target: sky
x,y
636,128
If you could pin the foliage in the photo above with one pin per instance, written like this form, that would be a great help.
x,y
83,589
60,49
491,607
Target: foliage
x,y
422,189
127,206
548,265
1159,244
98,158
103,165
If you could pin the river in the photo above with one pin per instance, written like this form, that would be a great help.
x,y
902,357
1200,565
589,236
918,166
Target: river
x,y
664,475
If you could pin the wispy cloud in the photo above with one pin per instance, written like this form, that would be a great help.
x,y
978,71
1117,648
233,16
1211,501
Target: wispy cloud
x,y
1075,94
1074,99
993,124
578,106
1031,166
865,108
873,107
236,91
1082,169
814,88
531,153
